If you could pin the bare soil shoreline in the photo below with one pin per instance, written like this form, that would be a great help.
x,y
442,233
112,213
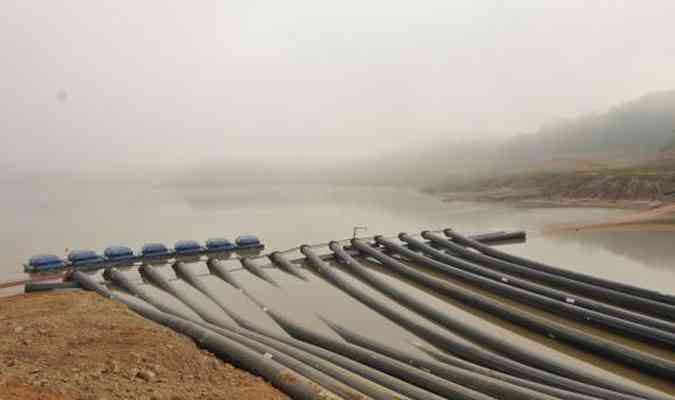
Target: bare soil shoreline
x,y
656,215
78,345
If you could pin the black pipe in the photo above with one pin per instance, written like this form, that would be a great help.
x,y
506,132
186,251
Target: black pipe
x,y
644,362
257,271
398,374
501,236
219,270
615,290
297,361
31,287
152,275
465,378
486,263
400,386
286,265
184,272
545,298
492,382
324,363
559,376
285,379
287,345
123,281
423,381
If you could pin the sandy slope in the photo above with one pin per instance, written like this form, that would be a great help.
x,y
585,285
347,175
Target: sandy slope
x,y
49,351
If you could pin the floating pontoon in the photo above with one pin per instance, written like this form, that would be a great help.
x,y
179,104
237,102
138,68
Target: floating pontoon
x,y
44,262
119,256
191,247
84,257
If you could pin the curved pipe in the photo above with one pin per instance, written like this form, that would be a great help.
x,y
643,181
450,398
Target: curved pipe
x,y
619,292
218,269
394,384
123,281
152,275
485,267
553,373
257,271
396,375
285,379
307,370
184,272
424,382
286,265
632,358
500,385
542,297
287,345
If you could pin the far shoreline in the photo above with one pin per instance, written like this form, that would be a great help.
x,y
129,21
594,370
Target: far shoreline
x,y
647,215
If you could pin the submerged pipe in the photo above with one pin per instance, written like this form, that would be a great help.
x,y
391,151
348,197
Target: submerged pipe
x,y
386,372
218,269
155,277
495,383
400,386
307,370
184,272
285,379
253,268
296,349
621,293
542,297
519,362
284,264
645,362
423,384
487,265
123,281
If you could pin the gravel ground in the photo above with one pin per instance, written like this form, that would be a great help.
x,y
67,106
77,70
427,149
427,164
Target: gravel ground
x,y
77,345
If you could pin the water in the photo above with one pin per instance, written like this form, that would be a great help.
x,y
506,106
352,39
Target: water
x,y
45,218
51,219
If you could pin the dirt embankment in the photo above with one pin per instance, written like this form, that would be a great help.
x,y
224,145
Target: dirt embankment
x,y
633,187
77,345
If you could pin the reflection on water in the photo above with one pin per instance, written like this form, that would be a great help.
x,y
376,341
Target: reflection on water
x,y
48,218
307,302
651,249
558,350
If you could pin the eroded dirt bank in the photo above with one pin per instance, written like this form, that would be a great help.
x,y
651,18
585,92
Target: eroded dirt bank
x,y
50,350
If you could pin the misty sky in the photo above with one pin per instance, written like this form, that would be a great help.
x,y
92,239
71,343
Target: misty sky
x,y
124,85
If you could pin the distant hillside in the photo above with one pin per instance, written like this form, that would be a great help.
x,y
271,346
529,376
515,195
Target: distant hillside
x,y
651,181
644,124
624,136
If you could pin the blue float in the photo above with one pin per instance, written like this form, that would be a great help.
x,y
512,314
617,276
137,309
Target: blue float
x,y
44,262
118,253
247,241
219,244
84,257
155,250
187,247
117,256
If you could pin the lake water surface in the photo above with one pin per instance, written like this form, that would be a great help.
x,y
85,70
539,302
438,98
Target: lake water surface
x,y
51,219
39,218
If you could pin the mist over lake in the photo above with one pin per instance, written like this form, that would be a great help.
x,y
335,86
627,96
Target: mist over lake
x,y
39,217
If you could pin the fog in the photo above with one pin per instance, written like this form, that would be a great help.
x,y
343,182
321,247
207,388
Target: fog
x,y
140,89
